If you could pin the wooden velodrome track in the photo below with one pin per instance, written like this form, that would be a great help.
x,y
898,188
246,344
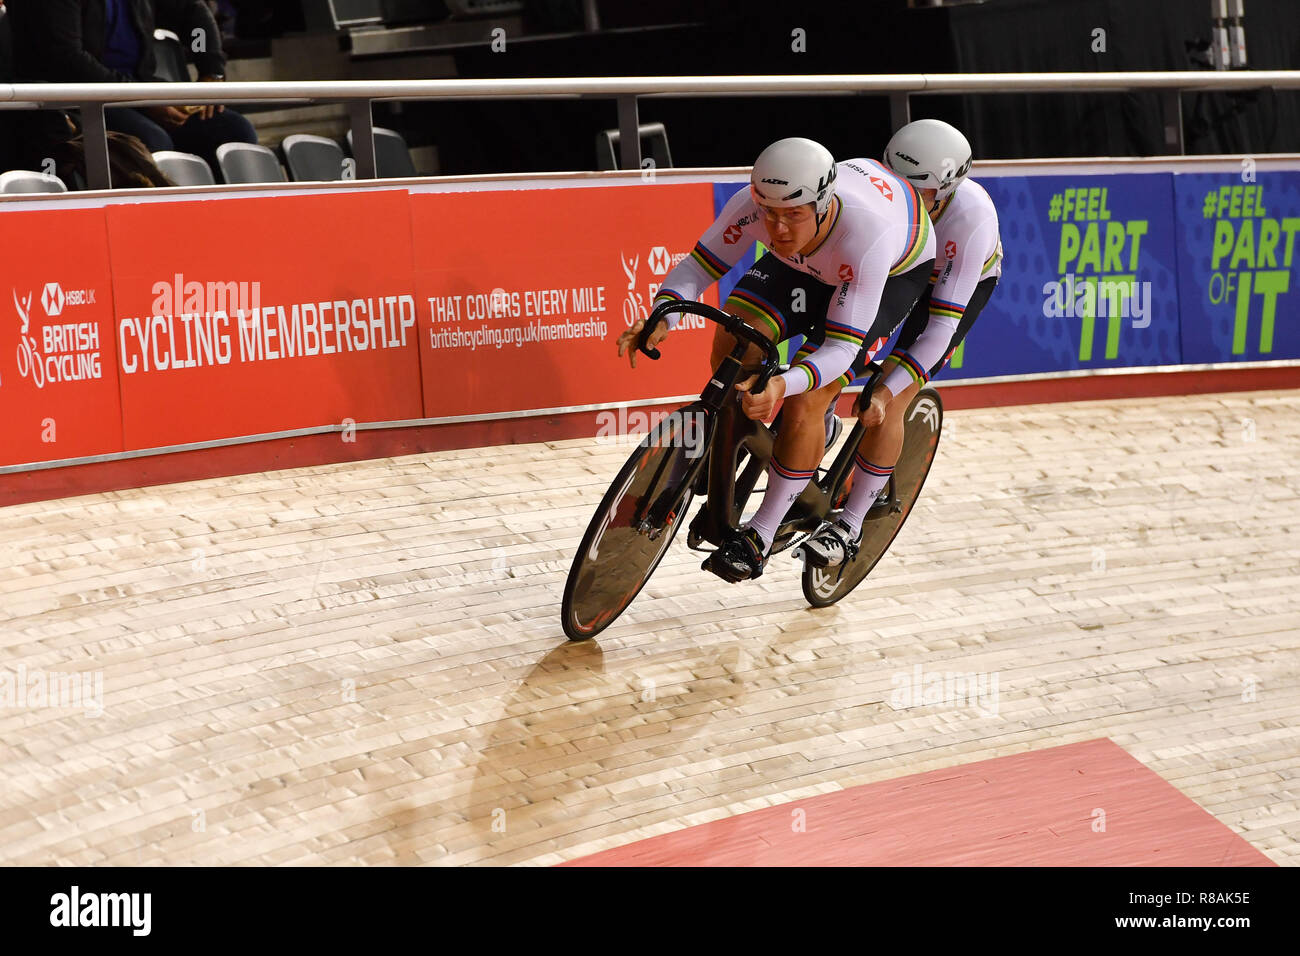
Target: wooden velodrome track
x,y
363,662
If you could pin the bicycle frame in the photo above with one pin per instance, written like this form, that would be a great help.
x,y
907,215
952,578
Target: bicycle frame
x,y
728,433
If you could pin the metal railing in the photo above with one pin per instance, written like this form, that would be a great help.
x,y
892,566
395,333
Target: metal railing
x,y
360,95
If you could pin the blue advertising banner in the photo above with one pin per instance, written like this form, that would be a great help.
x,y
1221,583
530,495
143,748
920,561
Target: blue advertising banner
x,y
1089,277
1238,286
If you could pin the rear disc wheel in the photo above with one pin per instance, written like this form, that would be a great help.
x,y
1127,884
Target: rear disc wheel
x,y
922,425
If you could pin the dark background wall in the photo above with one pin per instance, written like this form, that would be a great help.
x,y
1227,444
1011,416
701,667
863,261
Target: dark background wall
x,y
874,36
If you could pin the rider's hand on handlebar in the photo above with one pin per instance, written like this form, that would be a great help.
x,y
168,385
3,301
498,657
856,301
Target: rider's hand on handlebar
x,y
762,406
627,340
873,413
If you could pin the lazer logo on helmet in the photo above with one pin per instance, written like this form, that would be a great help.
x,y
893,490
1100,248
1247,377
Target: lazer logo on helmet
x,y
777,182
906,157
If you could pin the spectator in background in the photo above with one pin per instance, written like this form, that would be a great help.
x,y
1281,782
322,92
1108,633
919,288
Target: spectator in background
x,y
26,136
111,41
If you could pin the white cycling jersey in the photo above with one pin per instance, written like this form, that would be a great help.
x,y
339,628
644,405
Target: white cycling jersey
x,y
967,251
879,228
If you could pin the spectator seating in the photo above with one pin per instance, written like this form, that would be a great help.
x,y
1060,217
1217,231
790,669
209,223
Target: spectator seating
x,y
313,158
654,144
184,169
248,163
169,57
26,181
392,158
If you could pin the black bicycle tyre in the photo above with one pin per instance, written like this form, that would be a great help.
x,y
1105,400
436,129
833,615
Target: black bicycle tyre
x,y
865,562
578,624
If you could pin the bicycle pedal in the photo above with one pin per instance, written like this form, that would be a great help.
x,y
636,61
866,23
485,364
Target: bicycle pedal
x,y
707,565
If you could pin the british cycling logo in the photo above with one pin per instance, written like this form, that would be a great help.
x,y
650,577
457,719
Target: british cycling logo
x,y
629,269
634,307
69,351
24,307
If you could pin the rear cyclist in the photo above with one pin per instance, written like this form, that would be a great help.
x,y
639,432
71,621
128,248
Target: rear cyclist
x,y
850,252
936,158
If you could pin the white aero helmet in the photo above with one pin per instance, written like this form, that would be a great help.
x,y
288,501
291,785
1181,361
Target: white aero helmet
x,y
930,154
794,172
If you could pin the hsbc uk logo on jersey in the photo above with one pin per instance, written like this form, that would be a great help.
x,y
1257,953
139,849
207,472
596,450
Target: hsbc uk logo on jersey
x,y
733,233
60,351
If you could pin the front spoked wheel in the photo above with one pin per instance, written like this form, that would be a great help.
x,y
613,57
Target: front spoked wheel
x,y
922,424
634,525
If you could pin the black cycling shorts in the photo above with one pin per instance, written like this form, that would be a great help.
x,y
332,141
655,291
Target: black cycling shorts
x,y
920,318
776,297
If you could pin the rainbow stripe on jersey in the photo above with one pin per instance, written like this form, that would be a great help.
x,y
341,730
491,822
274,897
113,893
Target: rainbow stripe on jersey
x,y
710,263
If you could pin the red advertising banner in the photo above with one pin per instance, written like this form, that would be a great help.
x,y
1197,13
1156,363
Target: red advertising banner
x,y
247,316
523,294
58,364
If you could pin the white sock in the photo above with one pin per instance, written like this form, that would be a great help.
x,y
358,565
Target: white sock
x,y
868,479
784,485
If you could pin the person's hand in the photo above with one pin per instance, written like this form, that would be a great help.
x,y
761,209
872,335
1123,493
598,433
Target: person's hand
x,y
167,115
207,112
762,406
627,340
873,413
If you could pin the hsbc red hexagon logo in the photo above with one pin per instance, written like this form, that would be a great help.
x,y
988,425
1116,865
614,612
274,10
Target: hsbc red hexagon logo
x,y
658,260
52,299
846,273
950,249
732,235
883,186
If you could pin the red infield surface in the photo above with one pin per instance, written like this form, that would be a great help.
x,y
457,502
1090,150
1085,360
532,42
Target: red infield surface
x,y
1030,809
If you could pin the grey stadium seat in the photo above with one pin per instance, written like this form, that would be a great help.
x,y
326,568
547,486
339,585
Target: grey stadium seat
x,y
184,169
313,158
654,143
392,158
25,181
248,163
169,58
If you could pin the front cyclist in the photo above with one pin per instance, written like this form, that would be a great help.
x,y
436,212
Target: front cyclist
x,y
850,253
935,157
